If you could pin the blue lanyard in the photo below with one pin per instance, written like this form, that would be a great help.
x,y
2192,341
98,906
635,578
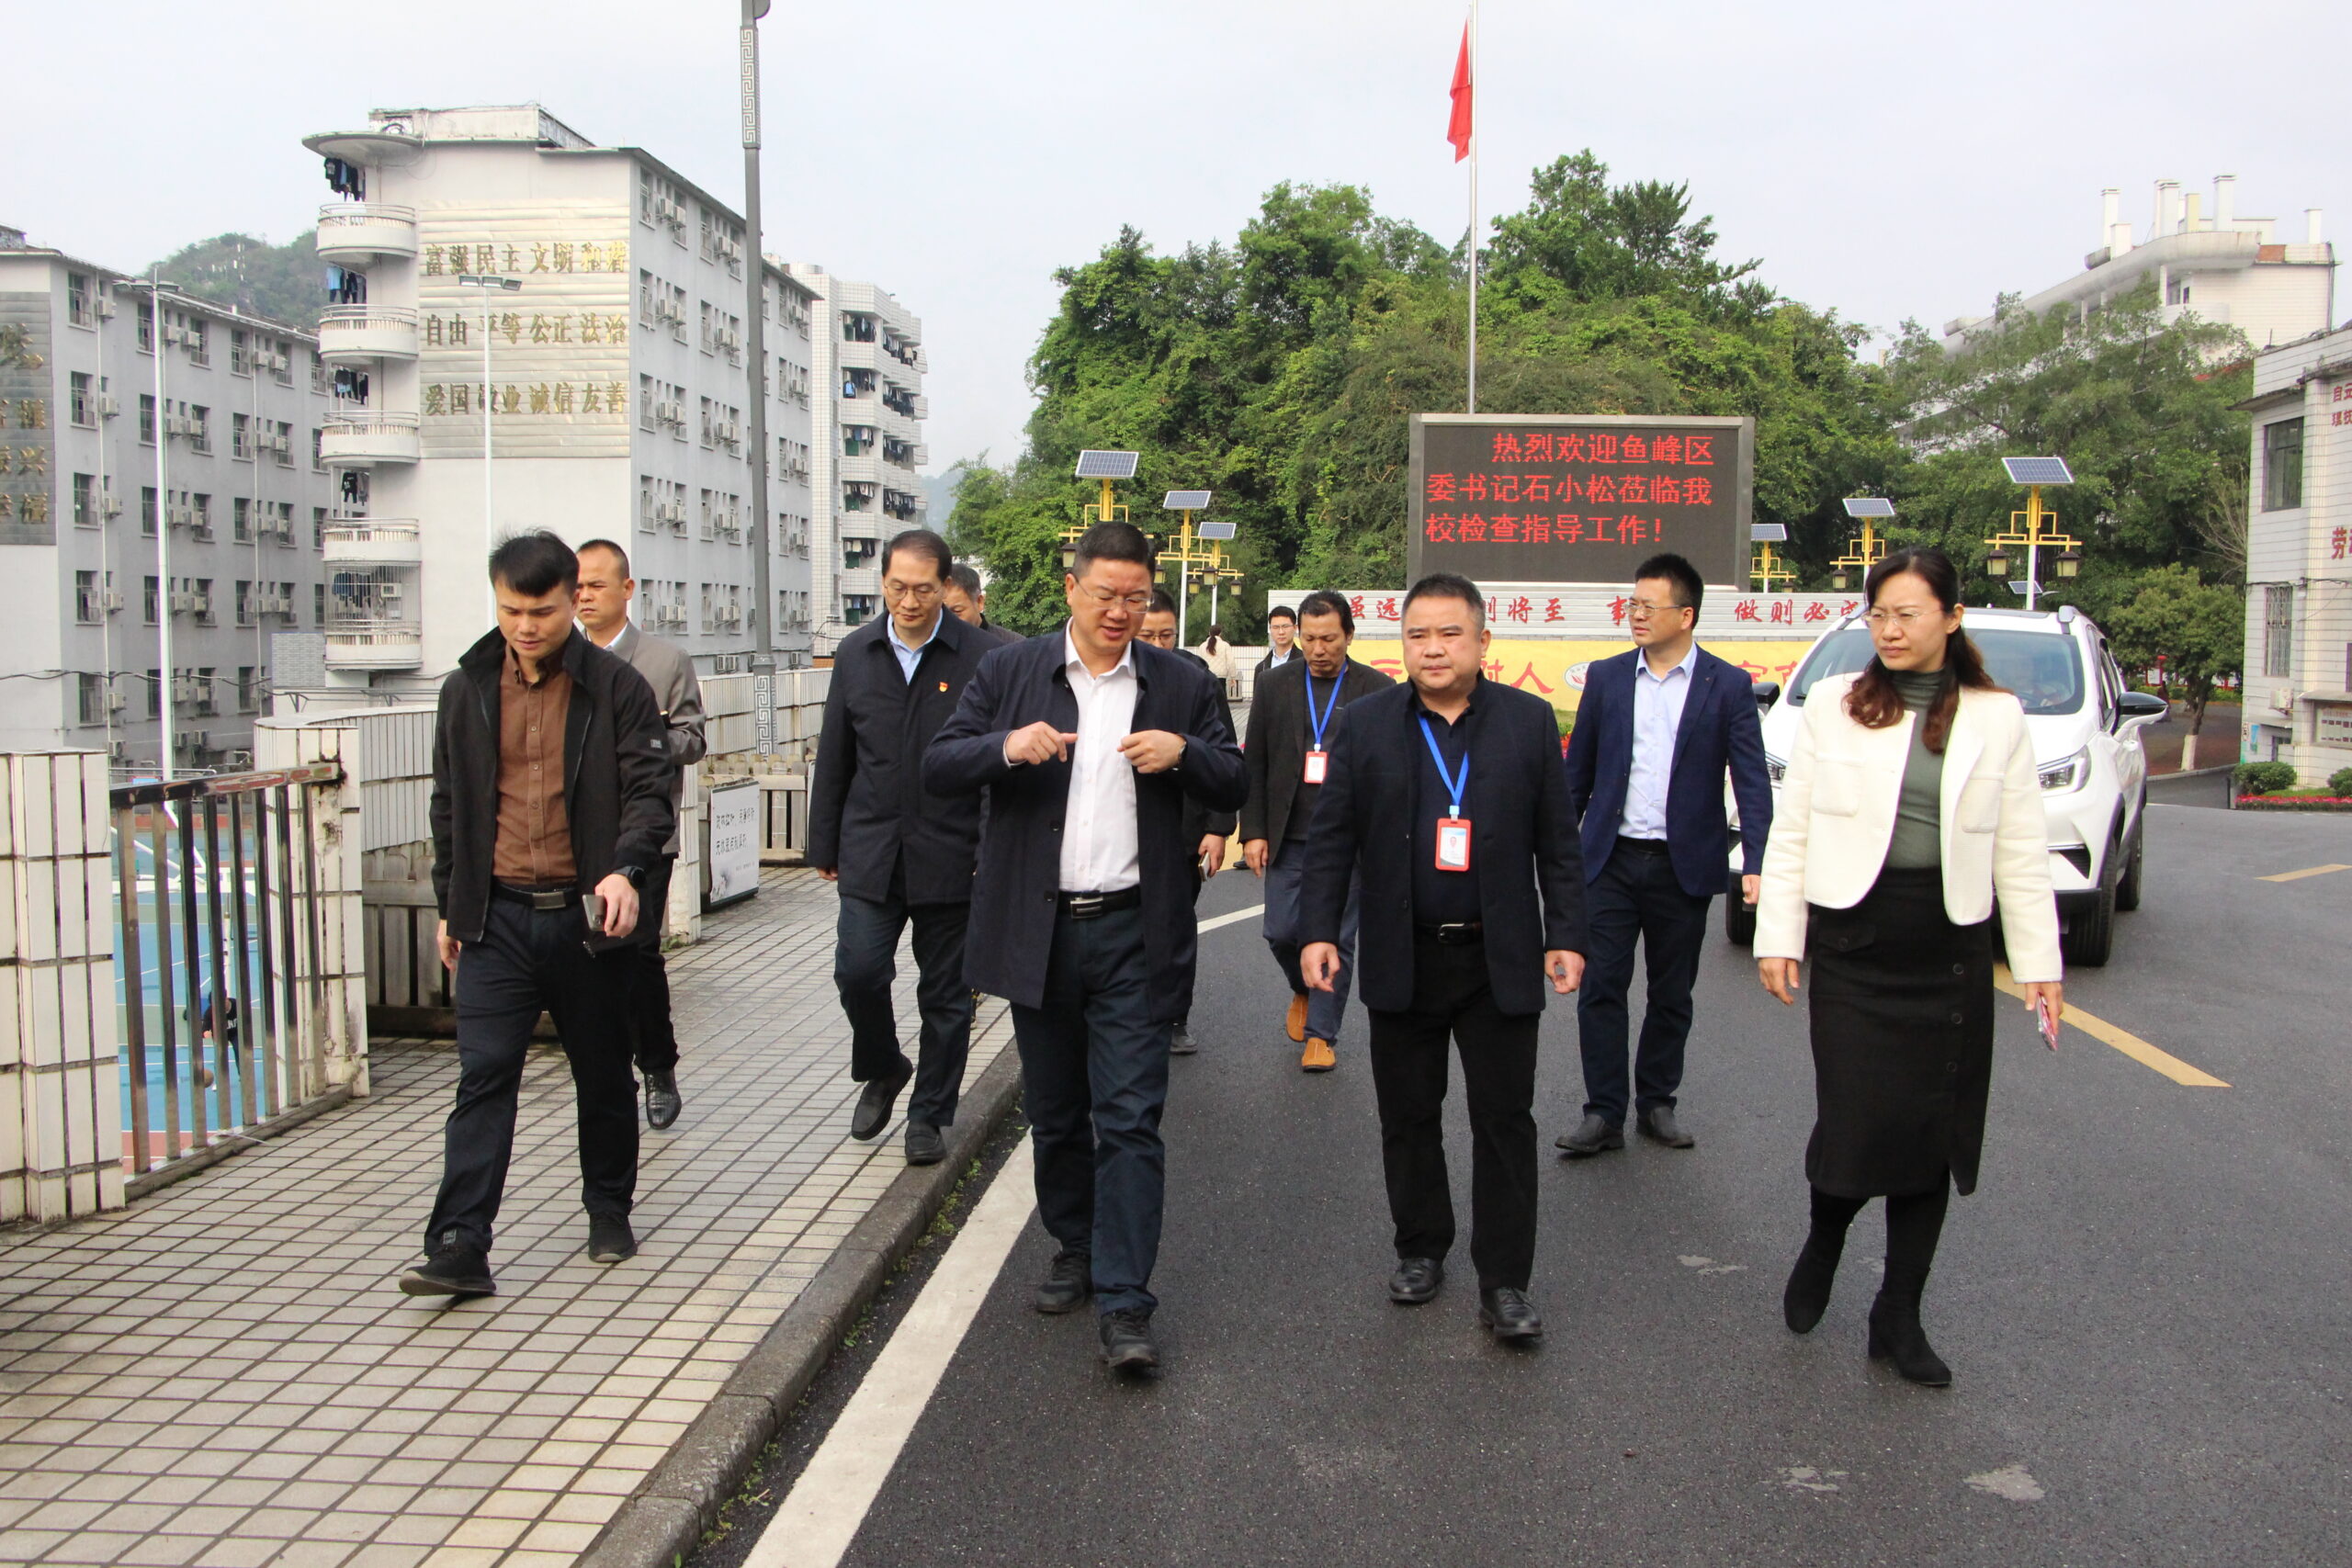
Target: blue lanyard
x,y
1328,707
1453,787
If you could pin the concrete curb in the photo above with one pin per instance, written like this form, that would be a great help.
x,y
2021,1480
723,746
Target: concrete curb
x,y
663,1520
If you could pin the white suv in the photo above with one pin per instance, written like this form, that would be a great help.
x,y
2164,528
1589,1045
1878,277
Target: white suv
x,y
2085,730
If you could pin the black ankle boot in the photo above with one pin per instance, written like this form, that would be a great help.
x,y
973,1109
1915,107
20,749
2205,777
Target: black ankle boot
x,y
1895,1334
1807,1296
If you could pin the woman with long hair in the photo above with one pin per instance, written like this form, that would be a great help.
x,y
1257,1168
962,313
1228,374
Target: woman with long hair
x,y
1910,806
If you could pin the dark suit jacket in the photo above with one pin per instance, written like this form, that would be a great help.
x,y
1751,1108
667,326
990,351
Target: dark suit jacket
x,y
1012,931
1531,879
1279,731
1199,820
1719,732
867,804
997,635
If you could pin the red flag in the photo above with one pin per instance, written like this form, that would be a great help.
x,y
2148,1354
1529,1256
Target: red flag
x,y
1457,127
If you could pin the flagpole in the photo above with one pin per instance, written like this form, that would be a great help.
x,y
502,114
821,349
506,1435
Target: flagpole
x,y
1473,407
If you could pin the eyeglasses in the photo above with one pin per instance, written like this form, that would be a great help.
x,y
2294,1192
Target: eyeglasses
x,y
1643,609
1905,617
1135,601
910,590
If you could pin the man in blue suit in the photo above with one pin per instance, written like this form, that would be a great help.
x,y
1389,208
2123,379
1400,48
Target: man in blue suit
x,y
1656,731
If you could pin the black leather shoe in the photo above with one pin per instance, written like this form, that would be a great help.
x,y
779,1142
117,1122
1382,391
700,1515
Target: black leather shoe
x,y
453,1267
1591,1136
1127,1341
1508,1314
1180,1039
874,1105
1658,1124
1069,1280
1807,1296
610,1239
924,1145
663,1102
1895,1336
1415,1280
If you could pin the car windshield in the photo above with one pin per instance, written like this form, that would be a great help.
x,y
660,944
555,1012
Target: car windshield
x,y
2045,672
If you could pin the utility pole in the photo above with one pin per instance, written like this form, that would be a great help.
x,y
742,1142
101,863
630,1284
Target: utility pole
x,y
165,689
756,341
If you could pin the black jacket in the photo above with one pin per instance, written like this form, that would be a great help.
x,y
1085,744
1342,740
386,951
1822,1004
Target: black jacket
x,y
1199,820
1531,876
1279,732
1014,898
866,803
616,775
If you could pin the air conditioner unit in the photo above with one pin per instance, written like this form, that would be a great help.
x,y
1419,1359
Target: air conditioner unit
x,y
116,702
178,516
108,406
110,600
114,506
731,433
104,307
203,605
670,413
390,593
192,741
279,362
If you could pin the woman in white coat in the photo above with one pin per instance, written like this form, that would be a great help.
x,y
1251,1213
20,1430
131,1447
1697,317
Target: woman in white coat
x,y
1910,807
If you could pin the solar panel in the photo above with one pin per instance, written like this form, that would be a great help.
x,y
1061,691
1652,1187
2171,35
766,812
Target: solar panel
x,y
1769,532
1868,506
1093,464
1186,501
2038,470
1214,530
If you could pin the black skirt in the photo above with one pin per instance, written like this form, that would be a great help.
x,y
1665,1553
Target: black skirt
x,y
1902,1041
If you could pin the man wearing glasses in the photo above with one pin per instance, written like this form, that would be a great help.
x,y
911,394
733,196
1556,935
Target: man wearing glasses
x,y
900,856
1088,746
1657,730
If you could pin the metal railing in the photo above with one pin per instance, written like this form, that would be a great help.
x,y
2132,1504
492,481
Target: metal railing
x,y
219,948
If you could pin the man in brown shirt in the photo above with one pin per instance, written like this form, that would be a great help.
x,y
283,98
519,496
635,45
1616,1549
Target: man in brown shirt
x,y
550,801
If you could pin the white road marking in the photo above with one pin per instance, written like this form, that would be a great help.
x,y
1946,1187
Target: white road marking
x,y
2011,1482
1709,1266
830,1502
1810,1478
1252,912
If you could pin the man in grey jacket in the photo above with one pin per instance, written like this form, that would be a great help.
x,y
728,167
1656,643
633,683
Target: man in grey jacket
x,y
607,590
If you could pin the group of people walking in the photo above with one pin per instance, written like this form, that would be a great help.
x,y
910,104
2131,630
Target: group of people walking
x,y
1044,812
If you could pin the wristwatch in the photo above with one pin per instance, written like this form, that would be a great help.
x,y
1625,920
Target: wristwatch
x,y
635,875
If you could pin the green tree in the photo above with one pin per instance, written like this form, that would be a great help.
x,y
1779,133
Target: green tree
x,y
284,283
2194,629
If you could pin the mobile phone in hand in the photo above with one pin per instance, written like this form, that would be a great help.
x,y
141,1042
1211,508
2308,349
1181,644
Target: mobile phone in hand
x,y
2048,1018
593,906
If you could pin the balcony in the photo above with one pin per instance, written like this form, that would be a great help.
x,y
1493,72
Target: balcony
x,y
851,355
375,542
355,439
355,642
350,333
353,233
864,469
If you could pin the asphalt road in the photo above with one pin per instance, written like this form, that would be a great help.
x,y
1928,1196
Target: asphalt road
x,y
2144,1303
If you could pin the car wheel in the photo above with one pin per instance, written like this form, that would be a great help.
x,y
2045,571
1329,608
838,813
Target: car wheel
x,y
2090,937
2127,889
1739,918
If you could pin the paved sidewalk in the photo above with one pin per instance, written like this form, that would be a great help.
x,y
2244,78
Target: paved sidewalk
x,y
226,1374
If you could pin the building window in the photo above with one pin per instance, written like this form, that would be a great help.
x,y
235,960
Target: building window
x,y
199,516
78,307
146,326
199,429
244,602
147,510
241,437
284,446
318,603
2283,465
89,509
241,358
202,605
318,451
81,406
645,399
146,419
155,691
154,596
241,521
318,529
2279,627
86,608
249,680
92,703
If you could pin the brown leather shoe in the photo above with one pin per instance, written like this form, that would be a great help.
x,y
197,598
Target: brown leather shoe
x,y
1295,1024
1318,1057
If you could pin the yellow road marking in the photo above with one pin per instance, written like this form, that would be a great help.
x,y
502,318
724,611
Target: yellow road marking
x,y
2123,1040
2307,871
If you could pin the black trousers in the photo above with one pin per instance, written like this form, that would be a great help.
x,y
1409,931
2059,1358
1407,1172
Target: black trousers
x,y
1636,898
865,964
1093,1083
529,961
649,986
1452,1001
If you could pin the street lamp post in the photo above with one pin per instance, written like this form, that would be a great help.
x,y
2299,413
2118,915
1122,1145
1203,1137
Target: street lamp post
x,y
2034,527
755,320
1867,549
487,283
1768,568
156,287
1104,467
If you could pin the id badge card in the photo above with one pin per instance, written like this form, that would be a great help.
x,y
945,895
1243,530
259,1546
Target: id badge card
x,y
1318,764
1454,844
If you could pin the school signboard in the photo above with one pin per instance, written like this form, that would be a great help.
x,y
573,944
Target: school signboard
x,y
1578,498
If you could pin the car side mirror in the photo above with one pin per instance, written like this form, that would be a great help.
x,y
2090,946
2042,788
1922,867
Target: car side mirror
x,y
2135,708
1767,693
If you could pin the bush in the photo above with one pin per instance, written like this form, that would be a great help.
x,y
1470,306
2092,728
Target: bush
x,y
2265,778
2339,782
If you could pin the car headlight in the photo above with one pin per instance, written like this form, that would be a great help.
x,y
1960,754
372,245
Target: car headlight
x,y
2071,773
1775,769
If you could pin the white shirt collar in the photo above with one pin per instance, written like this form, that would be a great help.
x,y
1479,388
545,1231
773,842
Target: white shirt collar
x,y
892,631
1071,661
1688,663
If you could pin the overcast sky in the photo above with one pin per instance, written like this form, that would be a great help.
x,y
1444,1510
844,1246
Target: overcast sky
x,y
1885,160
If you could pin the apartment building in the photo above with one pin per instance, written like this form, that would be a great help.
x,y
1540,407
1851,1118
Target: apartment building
x,y
535,330
160,472
2299,559
868,365
2239,272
